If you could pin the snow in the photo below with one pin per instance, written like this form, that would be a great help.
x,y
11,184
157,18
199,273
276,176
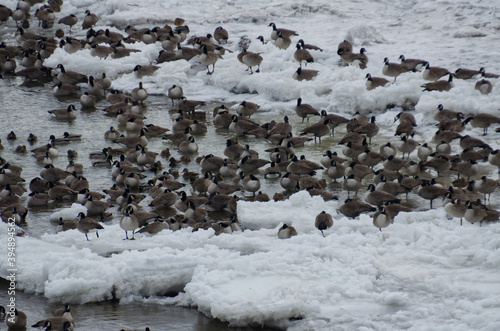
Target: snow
x,y
422,272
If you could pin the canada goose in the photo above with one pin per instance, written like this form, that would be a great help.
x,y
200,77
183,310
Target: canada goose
x,y
494,158
89,20
304,74
406,146
434,73
38,184
353,208
221,35
289,181
170,42
378,198
351,184
393,69
412,64
440,85
282,41
358,170
248,164
208,58
323,221
61,89
175,93
66,225
369,129
53,174
87,224
61,192
284,32
335,170
369,158
387,150
211,163
64,312
250,59
141,71
186,53
166,198
247,108
5,13
281,128
304,109
486,186
474,213
240,125
465,168
456,208
133,140
302,167
87,100
129,223
445,136
484,86
69,20
424,151
139,93
188,146
16,322
302,55
394,188
154,227
483,120
382,219
430,192
318,130
250,183
70,77
469,142
286,232
34,74
70,45
96,207
461,73
196,213
440,163
102,52
374,82
360,59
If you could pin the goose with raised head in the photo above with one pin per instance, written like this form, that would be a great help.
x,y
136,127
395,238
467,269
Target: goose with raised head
x,y
302,55
434,73
483,120
304,110
412,64
250,59
318,130
208,58
374,82
393,69
86,225
284,32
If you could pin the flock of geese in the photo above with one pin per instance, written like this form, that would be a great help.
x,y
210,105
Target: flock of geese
x,y
138,173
